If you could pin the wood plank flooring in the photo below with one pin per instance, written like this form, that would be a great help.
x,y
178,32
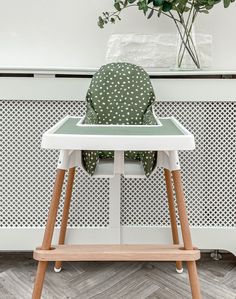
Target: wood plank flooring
x,y
116,280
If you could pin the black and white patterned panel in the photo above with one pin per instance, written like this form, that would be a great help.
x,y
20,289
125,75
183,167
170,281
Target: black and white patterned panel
x,y
27,172
208,172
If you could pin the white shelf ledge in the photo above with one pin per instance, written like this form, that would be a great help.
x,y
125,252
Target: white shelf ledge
x,y
91,71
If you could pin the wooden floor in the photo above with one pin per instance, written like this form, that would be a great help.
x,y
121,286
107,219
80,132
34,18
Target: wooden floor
x,y
126,280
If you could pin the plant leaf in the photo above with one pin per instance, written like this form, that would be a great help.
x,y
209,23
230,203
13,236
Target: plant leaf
x,y
150,14
158,2
226,3
167,6
142,5
100,22
117,6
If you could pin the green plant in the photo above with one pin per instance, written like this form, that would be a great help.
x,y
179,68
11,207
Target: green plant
x,y
182,12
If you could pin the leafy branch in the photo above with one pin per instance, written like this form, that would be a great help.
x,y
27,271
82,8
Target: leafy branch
x,y
182,12
161,7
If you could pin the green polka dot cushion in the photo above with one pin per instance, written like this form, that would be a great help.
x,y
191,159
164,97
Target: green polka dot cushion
x,y
120,93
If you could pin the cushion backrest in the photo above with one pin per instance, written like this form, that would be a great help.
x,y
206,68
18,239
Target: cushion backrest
x,y
119,93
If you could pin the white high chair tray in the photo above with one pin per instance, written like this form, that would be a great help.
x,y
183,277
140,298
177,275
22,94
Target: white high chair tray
x,y
71,134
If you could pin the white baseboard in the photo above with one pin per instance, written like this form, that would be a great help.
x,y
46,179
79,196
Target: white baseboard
x,y
203,237
24,239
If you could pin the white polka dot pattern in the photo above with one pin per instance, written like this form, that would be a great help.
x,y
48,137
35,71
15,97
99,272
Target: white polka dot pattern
x,y
120,93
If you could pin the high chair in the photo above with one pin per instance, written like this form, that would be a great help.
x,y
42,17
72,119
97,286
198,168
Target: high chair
x,y
119,135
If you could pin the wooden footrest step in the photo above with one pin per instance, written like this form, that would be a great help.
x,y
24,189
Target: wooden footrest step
x,y
123,252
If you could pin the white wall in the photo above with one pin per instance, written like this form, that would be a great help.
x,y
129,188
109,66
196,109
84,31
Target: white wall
x,y
60,33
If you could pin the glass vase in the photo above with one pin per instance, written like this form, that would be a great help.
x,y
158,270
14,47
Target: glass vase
x,y
187,55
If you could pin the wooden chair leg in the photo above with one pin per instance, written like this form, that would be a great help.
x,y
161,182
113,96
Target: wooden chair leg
x,y
192,269
65,215
39,279
48,234
173,222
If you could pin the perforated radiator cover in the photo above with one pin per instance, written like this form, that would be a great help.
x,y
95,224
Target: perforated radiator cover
x,y
27,172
